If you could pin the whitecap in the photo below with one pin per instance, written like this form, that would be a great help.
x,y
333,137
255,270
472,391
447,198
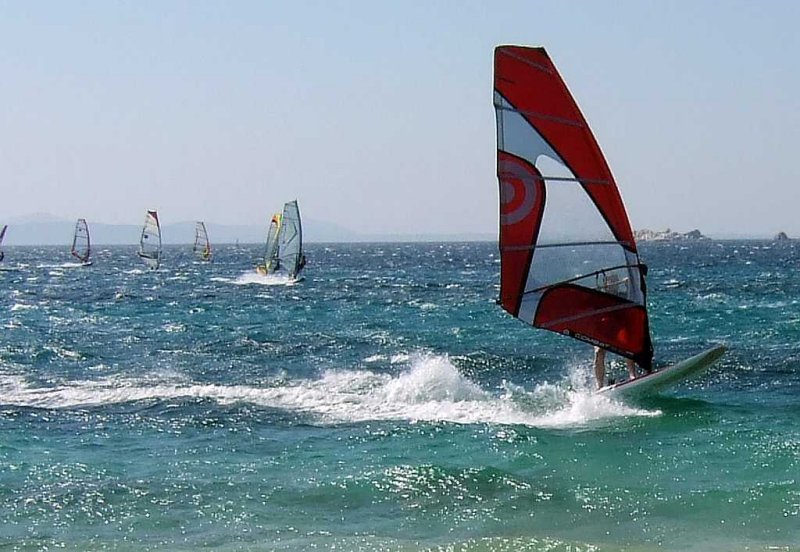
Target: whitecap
x,y
431,389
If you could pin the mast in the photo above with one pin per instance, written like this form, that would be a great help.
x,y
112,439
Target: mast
x,y
2,235
569,262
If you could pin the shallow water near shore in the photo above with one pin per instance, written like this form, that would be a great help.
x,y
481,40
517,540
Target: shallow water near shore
x,y
387,403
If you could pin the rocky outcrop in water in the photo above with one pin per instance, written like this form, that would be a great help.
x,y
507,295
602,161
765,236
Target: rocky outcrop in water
x,y
663,235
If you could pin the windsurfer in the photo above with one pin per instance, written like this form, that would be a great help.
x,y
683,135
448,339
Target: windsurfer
x,y
610,283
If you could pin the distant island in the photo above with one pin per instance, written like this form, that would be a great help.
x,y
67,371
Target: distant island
x,y
646,234
782,237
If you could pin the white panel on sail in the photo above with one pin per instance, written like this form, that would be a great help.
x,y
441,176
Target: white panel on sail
x,y
575,244
516,136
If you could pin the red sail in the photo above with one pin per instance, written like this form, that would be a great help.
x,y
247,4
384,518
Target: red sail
x,y
568,257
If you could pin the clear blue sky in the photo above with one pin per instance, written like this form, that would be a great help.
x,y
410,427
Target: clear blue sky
x,y
378,115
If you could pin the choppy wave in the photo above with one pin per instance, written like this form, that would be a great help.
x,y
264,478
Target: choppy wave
x,y
431,389
204,404
63,265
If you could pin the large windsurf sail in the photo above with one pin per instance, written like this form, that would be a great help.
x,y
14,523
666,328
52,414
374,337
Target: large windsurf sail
x,y
271,259
291,240
569,262
2,235
150,241
81,244
202,247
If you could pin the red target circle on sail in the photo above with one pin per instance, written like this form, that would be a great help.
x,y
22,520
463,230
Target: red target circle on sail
x,y
518,189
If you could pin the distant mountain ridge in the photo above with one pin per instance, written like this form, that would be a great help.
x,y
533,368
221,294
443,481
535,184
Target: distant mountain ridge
x,y
42,230
46,229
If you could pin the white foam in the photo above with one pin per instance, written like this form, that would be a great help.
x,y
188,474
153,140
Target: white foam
x,y
431,389
253,277
61,265
174,328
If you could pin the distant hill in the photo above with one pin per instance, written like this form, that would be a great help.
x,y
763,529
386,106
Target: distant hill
x,y
51,232
45,229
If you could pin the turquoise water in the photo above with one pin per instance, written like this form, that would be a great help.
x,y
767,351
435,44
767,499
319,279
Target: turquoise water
x,y
387,403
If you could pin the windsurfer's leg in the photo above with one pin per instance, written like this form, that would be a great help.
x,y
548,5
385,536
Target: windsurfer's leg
x,y
600,366
631,368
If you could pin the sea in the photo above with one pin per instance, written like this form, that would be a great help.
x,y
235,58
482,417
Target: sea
x,y
386,403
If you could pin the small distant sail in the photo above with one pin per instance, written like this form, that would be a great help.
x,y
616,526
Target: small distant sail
x,y
2,235
271,260
568,258
291,240
81,244
202,247
150,241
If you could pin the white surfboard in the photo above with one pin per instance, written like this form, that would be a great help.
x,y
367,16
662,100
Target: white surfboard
x,y
653,383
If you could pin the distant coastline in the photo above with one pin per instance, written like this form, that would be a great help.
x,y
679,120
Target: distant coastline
x,y
648,235
44,229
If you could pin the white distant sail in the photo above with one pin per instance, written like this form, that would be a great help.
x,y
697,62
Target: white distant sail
x,y
291,240
202,247
81,244
150,241
2,235
284,251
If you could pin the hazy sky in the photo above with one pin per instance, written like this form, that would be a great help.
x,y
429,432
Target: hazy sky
x,y
378,115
